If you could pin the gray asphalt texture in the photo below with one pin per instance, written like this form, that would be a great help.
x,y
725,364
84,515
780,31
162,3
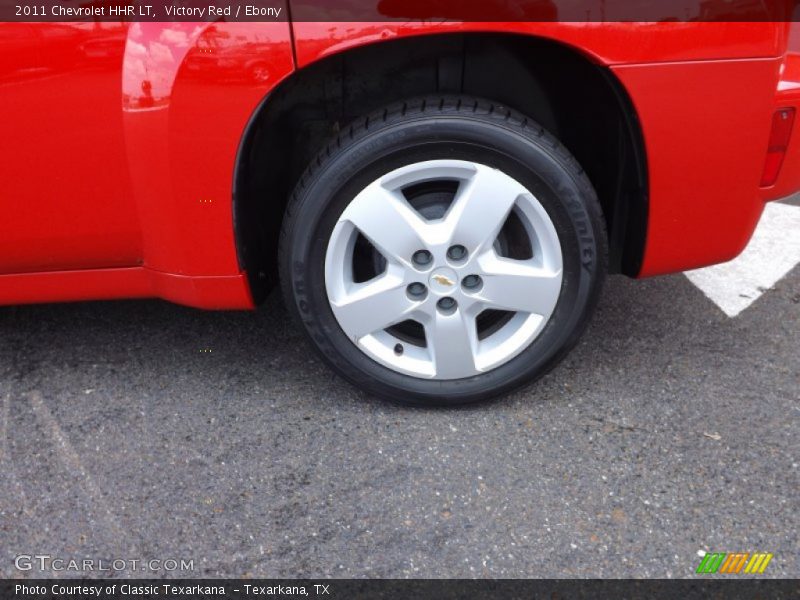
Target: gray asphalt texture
x,y
670,429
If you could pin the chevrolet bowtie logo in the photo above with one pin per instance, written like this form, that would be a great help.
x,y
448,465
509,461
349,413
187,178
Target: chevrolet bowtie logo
x,y
444,280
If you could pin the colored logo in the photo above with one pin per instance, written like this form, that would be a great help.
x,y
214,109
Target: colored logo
x,y
734,563
446,281
443,280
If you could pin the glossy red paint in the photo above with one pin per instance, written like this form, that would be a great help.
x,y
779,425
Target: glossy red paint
x,y
66,187
605,43
788,96
706,127
189,91
124,156
214,292
119,178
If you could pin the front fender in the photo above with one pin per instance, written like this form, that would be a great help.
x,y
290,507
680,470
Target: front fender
x,y
188,94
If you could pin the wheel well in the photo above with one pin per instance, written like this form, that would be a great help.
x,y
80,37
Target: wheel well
x,y
580,102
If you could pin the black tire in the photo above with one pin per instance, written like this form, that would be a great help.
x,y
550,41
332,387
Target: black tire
x,y
426,129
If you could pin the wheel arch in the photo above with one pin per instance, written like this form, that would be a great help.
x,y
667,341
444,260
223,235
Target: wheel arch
x,y
544,79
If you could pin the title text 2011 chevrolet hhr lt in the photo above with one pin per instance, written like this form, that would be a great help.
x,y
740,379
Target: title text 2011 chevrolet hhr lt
x,y
440,201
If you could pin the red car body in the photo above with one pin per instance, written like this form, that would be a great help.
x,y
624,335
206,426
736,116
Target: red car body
x,y
121,141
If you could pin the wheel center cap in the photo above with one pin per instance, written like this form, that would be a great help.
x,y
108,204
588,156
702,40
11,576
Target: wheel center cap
x,y
443,281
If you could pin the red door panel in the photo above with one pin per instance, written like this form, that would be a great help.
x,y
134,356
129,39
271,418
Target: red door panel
x,y
66,193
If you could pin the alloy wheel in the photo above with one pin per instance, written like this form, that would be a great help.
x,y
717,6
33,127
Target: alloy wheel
x,y
443,269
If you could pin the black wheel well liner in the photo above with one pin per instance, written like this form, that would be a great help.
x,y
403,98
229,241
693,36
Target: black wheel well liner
x,y
580,102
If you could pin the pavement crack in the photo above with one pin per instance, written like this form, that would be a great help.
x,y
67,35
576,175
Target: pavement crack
x,y
71,460
613,425
4,410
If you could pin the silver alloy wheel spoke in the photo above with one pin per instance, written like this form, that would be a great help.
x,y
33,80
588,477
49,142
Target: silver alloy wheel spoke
x,y
481,207
372,306
442,296
388,222
452,344
518,286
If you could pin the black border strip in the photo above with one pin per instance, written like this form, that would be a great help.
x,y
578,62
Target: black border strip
x,y
231,589
402,11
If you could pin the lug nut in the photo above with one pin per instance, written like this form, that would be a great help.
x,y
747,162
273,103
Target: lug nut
x,y
457,253
446,305
472,282
422,258
416,290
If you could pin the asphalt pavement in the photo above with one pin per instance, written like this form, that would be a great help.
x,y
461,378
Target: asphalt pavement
x,y
143,430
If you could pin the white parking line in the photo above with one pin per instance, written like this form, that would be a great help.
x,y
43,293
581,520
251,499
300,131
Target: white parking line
x,y
772,253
